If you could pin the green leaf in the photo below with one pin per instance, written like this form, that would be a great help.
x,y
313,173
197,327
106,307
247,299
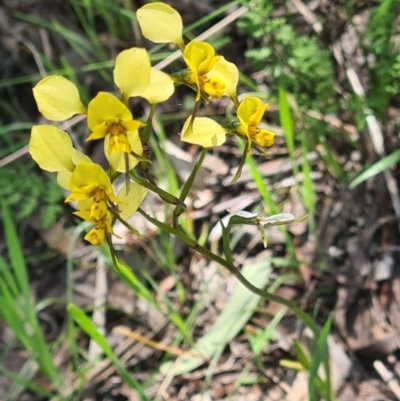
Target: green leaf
x,y
301,355
16,300
286,120
318,355
127,275
91,330
15,252
237,312
377,168
259,341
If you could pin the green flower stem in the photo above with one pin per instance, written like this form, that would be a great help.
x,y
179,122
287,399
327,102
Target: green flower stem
x,y
147,128
147,174
241,163
164,195
226,243
115,213
187,186
146,149
307,320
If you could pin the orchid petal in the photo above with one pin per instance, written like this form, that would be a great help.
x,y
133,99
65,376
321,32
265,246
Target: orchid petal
x,y
131,202
63,178
117,159
160,89
87,176
204,132
132,72
51,148
160,23
106,107
227,73
247,108
57,98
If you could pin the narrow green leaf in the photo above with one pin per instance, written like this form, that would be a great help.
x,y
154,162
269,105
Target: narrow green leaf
x,y
164,195
301,355
377,168
318,355
91,330
8,278
127,275
226,245
258,342
20,313
308,185
171,314
26,383
286,120
17,260
239,309
14,319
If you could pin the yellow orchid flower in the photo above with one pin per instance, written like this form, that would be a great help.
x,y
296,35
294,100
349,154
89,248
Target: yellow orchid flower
x,y
90,181
58,98
250,112
209,75
129,203
200,58
107,115
97,234
52,150
206,132
160,23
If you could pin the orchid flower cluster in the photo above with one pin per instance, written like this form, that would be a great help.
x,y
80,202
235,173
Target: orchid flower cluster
x,y
126,138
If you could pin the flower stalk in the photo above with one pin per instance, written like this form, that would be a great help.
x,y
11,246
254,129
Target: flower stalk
x,y
126,140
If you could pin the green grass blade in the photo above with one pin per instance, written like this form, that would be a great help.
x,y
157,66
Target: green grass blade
x,y
25,383
377,168
11,314
130,279
17,260
259,341
239,309
318,355
172,315
8,279
301,356
308,185
20,313
85,14
286,120
91,330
